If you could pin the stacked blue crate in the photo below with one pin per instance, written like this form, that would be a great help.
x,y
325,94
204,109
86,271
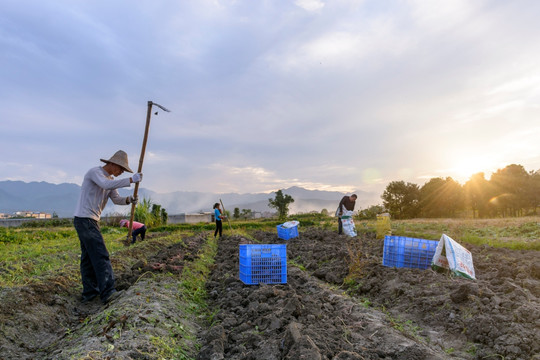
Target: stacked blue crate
x,y
263,263
287,233
401,251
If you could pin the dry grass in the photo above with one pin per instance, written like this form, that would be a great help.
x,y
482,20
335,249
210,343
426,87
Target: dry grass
x,y
514,233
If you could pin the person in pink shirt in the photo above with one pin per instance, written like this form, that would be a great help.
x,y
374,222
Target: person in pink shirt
x,y
138,229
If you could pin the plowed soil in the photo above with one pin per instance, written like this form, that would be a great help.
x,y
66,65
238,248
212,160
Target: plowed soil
x,y
339,302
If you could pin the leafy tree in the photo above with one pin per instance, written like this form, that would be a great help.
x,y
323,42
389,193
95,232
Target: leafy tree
x,y
324,212
143,212
164,217
533,190
156,211
401,199
236,213
478,191
441,198
510,185
246,213
370,213
281,204
511,191
150,214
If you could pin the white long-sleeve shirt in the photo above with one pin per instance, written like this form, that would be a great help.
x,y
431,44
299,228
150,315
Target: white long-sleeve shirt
x,y
97,187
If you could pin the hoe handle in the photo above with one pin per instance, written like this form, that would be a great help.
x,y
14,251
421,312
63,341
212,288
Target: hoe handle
x,y
223,206
141,159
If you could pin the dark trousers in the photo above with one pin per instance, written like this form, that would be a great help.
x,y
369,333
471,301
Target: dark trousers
x,y
219,228
96,270
141,231
340,226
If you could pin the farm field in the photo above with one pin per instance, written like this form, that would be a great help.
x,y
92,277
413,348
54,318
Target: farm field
x,y
182,297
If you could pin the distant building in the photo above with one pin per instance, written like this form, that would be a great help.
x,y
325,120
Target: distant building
x,y
20,217
22,214
190,218
29,214
268,214
40,215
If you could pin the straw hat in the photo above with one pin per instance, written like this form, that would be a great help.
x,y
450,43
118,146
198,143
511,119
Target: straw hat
x,y
120,158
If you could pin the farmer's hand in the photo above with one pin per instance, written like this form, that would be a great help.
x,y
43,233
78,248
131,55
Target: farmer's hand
x,y
132,200
136,177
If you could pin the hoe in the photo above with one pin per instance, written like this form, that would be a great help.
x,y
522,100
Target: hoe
x,y
141,159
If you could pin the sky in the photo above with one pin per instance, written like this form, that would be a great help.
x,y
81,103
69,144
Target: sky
x,y
337,95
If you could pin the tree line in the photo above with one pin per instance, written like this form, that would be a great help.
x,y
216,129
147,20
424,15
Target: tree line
x,y
510,192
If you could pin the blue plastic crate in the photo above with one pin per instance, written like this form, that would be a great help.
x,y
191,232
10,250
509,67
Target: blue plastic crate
x,y
287,233
401,251
263,263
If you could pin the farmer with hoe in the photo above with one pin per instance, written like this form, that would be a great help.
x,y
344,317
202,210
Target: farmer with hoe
x,y
219,217
138,228
346,204
98,186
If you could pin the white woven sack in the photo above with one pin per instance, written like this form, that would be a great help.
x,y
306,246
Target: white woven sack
x,y
348,223
457,259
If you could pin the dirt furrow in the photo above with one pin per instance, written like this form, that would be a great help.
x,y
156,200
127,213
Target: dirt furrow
x,y
302,319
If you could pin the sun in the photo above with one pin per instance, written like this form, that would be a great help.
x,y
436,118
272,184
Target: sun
x,y
463,168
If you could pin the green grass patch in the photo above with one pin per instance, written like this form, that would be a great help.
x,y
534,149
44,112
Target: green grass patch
x,y
41,256
193,301
27,253
30,235
512,233
194,276
296,262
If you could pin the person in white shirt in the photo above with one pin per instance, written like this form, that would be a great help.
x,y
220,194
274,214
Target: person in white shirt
x,y
97,188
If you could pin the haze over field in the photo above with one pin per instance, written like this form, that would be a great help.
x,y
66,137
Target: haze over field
x,y
329,95
62,199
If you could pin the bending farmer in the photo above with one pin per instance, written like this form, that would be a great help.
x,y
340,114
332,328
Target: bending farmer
x,y
138,228
346,204
98,186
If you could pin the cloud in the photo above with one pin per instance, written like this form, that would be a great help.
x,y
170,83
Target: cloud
x,y
310,5
267,95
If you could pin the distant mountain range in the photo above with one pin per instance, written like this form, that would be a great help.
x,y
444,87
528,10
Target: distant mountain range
x,y
62,199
